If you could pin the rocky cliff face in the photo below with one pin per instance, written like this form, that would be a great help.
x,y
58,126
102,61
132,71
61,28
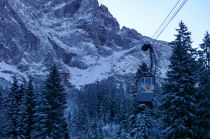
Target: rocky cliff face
x,y
80,36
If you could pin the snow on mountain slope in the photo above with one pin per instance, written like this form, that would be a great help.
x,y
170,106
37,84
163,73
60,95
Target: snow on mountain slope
x,y
80,36
6,70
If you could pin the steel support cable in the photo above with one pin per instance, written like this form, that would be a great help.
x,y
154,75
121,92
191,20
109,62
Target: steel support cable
x,y
152,52
166,18
180,7
174,14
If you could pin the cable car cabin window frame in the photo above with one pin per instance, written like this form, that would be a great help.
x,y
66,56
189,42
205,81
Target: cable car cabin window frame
x,y
142,81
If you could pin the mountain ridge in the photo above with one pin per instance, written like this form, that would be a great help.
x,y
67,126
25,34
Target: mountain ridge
x,y
80,36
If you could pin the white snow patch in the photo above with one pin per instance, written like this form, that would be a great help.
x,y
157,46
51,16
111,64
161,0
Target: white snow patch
x,y
6,70
103,67
66,47
59,6
80,77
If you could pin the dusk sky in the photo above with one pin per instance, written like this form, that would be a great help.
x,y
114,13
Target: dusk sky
x,y
146,16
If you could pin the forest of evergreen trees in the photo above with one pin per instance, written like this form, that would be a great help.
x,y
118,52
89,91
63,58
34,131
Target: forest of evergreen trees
x,y
30,114
108,110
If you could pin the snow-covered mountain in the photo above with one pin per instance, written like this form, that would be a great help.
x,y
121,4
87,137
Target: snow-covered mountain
x,y
80,36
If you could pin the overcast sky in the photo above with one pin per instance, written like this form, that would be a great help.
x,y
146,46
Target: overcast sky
x,y
146,16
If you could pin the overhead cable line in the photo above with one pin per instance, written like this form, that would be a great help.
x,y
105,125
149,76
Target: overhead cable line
x,y
183,3
165,19
155,36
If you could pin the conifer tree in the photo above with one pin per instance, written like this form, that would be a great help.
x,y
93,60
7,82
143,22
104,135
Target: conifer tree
x,y
53,123
205,50
29,111
95,130
21,111
144,123
134,115
1,99
2,114
41,118
203,94
81,121
13,110
178,102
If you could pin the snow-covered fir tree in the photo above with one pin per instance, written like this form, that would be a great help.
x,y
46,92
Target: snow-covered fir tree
x,y
51,121
141,122
144,123
95,130
13,110
1,99
21,110
41,119
29,111
1,113
203,94
178,104
81,122
205,50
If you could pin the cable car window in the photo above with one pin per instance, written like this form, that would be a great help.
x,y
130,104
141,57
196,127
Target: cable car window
x,y
148,81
